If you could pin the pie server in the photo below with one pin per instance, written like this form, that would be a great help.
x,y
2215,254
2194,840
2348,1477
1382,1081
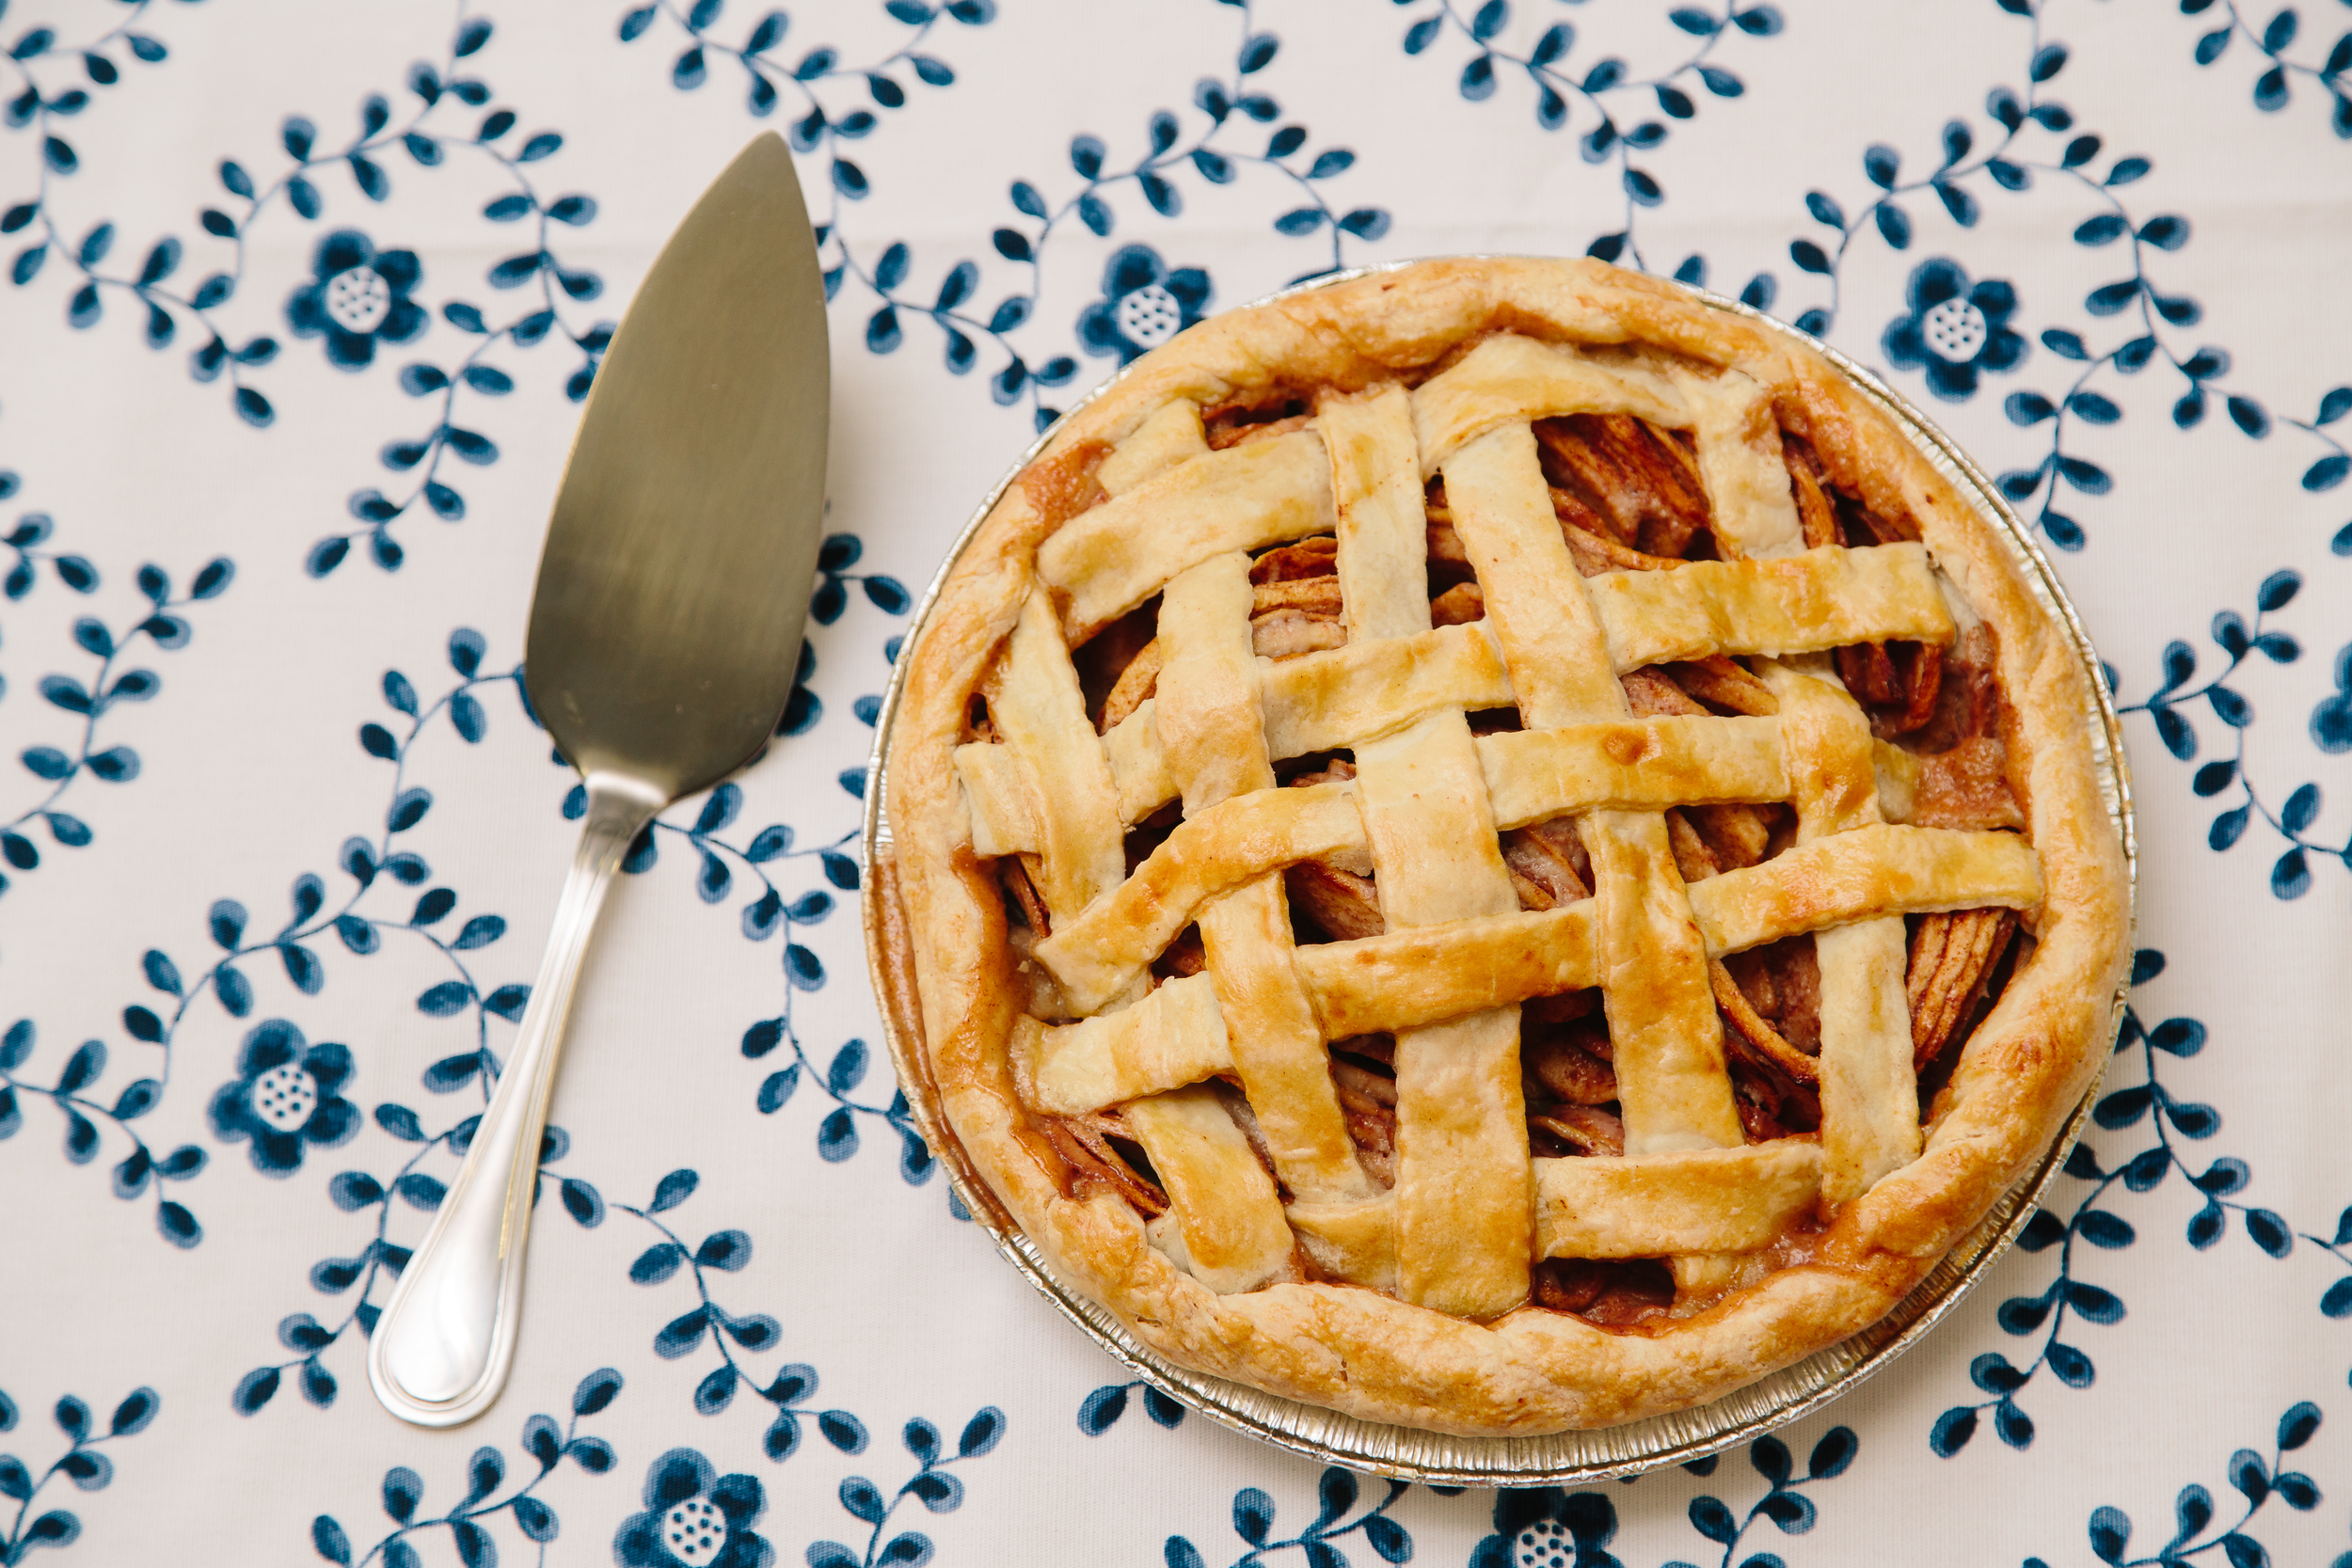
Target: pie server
x,y
665,634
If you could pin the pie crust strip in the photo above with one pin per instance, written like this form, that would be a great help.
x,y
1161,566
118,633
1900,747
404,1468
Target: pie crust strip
x,y
1671,1084
1213,730
1852,875
1750,509
1808,603
1175,1035
1171,435
1805,603
1041,714
1113,556
1098,951
1869,1089
1531,774
1463,1223
1528,776
1429,974
1509,380
1714,1201
1224,1223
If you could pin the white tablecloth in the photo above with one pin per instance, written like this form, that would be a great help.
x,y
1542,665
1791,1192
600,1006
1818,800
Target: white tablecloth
x,y
282,845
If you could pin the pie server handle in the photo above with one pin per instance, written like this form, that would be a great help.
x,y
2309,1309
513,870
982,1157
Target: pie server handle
x,y
440,1353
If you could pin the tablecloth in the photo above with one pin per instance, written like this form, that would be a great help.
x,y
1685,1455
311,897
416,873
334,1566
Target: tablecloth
x,y
302,301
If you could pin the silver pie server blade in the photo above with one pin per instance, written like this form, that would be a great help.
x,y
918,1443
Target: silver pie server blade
x,y
664,635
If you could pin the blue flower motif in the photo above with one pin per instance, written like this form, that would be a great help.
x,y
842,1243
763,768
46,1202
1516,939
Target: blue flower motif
x,y
1955,328
1546,1524
1143,304
356,294
694,1518
285,1097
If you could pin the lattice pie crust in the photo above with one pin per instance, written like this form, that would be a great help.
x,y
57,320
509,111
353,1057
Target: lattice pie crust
x,y
1504,624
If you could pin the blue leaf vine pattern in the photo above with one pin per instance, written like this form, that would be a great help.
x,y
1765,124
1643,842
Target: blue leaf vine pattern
x,y
85,1463
2288,819
724,1252
163,624
371,864
359,297
487,1502
305,1093
1785,1502
2069,1294
835,559
721,860
2203,372
2005,164
695,1518
374,864
2173,1121
2257,1480
1337,1517
934,1484
1599,94
771,913
1144,302
2273,86
99,688
548,285
142,1171
708,1323
819,72
1531,1527
41,62
2030,123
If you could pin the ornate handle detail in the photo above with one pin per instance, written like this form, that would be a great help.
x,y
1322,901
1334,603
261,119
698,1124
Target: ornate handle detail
x,y
441,1351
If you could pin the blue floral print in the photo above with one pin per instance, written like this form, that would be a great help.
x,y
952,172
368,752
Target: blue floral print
x,y
1954,328
283,1097
355,295
694,1517
2030,140
1144,304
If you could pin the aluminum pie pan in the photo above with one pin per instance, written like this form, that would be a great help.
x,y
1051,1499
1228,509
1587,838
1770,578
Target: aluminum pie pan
x,y
1600,1453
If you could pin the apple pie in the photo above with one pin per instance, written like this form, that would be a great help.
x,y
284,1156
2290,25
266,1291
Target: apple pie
x,y
1492,846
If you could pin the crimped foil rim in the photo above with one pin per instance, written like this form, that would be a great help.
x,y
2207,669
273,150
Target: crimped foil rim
x,y
1597,1453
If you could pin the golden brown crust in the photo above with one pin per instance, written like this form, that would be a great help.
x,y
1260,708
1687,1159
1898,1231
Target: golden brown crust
x,y
2019,1074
